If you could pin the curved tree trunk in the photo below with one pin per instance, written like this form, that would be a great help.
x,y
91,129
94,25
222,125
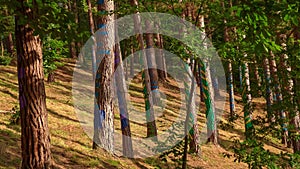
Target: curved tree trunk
x,y
35,139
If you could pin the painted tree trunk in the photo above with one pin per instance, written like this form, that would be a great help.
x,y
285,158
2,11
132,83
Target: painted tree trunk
x,y
258,79
279,97
200,82
191,118
191,121
132,62
231,90
241,77
103,119
208,93
247,99
230,74
296,119
121,93
151,125
288,85
209,104
35,138
215,82
152,66
268,95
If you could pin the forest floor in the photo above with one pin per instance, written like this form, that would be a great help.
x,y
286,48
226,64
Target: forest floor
x,y
72,148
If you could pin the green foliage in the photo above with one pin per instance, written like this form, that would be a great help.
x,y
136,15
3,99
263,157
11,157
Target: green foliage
x,y
252,152
53,51
5,60
256,156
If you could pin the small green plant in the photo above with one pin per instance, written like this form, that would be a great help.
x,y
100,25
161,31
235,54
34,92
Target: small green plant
x,y
5,60
16,116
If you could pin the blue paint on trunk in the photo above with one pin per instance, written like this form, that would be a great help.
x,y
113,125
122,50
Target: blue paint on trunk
x,y
100,2
103,52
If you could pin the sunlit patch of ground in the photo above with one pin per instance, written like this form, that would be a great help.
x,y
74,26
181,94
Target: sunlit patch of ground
x,y
72,148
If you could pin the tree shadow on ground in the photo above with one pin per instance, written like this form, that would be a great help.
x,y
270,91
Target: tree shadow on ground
x,y
10,149
52,112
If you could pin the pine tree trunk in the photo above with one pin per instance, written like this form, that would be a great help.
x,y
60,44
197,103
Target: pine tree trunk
x,y
121,93
200,82
92,30
2,48
241,77
208,93
72,44
132,61
35,139
247,99
10,44
151,124
279,97
288,85
122,101
257,78
215,82
209,103
268,95
160,59
296,119
231,90
51,77
151,60
103,119
9,39
90,14
191,120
